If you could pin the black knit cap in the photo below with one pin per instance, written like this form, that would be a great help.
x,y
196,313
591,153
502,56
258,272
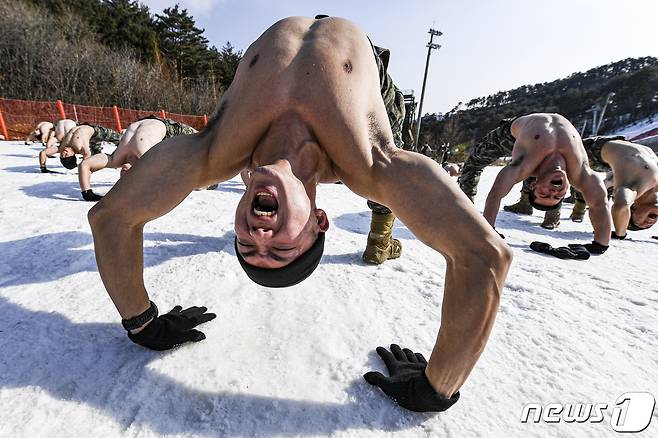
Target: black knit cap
x,y
69,162
289,275
532,197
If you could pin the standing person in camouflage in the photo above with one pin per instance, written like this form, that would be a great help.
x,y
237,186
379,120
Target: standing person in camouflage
x,y
381,245
140,136
83,139
496,144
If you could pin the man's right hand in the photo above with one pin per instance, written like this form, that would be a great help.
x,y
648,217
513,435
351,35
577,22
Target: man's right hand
x,y
173,328
89,195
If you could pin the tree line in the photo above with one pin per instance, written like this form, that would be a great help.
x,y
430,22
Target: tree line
x,y
634,82
110,52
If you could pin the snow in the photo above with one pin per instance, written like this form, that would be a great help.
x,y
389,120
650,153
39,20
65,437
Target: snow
x,y
639,128
289,362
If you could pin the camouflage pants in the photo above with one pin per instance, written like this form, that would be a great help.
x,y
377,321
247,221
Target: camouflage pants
x,y
101,134
593,146
496,144
394,103
174,128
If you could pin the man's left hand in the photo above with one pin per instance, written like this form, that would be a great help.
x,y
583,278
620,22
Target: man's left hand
x,y
407,384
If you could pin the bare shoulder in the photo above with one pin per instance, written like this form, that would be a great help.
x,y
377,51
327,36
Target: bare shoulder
x,y
538,123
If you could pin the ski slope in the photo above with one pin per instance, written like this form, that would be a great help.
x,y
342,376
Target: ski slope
x,y
288,363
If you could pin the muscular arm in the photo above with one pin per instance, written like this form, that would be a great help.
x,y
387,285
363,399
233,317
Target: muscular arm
x,y
44,153
621,209
504,182
441,216
90,165
596,197
154,186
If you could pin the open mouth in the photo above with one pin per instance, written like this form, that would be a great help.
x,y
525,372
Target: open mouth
x,y
265,204
557,182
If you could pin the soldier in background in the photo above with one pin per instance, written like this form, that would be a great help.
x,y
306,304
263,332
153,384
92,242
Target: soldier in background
x,y
496,144
140,136
41,133
84,139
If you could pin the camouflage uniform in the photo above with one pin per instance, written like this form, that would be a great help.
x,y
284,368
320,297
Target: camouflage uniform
x,y
394,103
174,128
593,146
101,134
496,144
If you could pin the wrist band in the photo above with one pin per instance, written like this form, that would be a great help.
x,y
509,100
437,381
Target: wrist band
x,y
141,319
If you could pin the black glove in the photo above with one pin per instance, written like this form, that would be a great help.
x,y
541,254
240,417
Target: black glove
x,y
89,195
654,237
561,252
407,385
499,233
615,236
593,248
173,328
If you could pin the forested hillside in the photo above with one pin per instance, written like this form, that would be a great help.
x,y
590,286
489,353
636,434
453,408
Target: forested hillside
x,y
110,52
634,82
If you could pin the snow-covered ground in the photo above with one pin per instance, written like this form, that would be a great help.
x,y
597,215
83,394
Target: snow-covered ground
x,y
638,128
289,362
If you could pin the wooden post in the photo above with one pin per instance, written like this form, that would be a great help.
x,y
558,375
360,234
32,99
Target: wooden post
x,y
60,108
3,127
75,113
205,120
164,115
117,120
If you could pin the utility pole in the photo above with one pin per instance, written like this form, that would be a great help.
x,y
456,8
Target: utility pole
x,y
605,106
430,46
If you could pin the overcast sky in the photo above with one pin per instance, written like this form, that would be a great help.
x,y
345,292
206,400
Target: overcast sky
x,y
487,45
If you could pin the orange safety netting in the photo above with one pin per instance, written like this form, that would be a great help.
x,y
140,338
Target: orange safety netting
x,y
22,116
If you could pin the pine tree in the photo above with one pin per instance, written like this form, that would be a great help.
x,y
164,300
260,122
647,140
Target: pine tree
x,y
182,42
126,23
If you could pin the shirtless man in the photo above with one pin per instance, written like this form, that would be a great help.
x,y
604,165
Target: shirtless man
x,y
41,133
634,181
62,127
548,148
140,136
305,107
83,139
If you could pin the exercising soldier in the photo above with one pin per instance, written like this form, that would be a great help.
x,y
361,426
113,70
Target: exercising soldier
x,y
547,153
41,133
140,136
83,139
305,107
633,181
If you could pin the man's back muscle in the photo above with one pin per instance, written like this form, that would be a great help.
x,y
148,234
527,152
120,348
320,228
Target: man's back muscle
x,y
324,70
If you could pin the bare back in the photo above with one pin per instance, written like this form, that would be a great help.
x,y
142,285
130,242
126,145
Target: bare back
x,y
78,139
45,130
323,70
634,166
137,140
542,134
63,127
